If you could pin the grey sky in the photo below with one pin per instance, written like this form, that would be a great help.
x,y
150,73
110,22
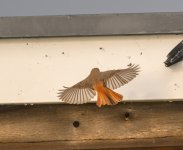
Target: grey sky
x,y
62,7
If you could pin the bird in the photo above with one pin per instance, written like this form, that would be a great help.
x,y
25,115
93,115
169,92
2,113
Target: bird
x,y
101,83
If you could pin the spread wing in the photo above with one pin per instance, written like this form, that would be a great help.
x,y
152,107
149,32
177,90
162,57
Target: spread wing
x,y
79,93
116,78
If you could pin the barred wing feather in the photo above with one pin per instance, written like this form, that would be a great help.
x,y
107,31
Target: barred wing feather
x,y
77,94
115,78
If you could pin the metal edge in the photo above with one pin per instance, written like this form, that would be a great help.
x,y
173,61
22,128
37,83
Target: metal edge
x,y
92,25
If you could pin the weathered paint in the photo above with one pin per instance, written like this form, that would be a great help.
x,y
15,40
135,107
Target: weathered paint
x,y
33,70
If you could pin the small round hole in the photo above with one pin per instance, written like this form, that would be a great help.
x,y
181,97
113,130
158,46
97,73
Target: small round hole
x,y
127,115
76,124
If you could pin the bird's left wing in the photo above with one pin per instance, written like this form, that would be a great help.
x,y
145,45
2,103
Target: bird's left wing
x,y
80,93
116,78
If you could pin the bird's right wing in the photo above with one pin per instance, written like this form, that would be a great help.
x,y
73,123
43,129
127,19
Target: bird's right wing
x,y
116,78
80,93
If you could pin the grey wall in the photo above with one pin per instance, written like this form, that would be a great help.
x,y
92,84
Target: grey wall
x,y
62,7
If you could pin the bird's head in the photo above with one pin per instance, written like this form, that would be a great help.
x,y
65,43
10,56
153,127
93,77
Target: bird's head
x,y
95,71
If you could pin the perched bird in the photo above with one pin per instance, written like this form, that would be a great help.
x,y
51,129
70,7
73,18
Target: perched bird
x,y
100,83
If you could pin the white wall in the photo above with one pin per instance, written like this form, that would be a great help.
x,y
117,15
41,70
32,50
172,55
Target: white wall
x,y
32,70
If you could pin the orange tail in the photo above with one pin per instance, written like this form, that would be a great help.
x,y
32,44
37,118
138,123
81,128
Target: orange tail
x,y
106,96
